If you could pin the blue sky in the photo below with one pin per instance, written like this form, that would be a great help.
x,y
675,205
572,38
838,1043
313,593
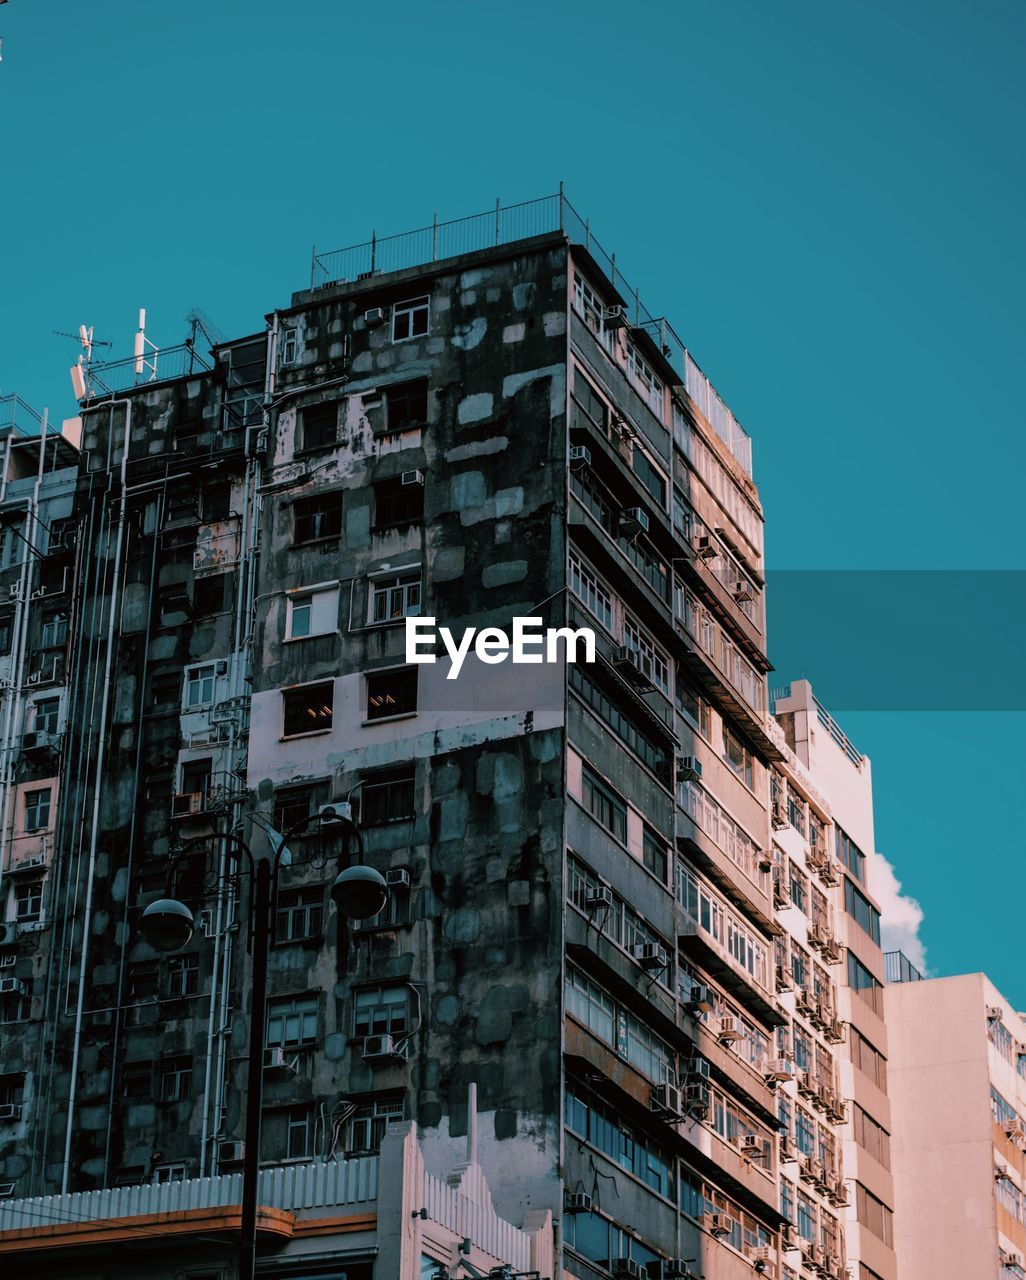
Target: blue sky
x,y
827,200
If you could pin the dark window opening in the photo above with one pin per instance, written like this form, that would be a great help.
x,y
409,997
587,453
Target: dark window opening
x,y
387,797
316,518
293,807
217,502
397,504
391,693
308,709
319,426
407,405
300,915
209,595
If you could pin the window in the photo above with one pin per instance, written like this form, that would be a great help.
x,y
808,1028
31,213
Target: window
x,y
313,613
799,888
873,1214
406,405
591,591
199,686
55,631
602,703
173,1172
293,807
368,1123
289,348
694,707
292,1022
604,805
737,756
869,1060
395,597
391,693
397,504
5,635
588,401
381,1011
289,1134
175,1079
37,809
300,915
868,986
806,1217
599,1124
46,715
182,976
142,982
410,319
15,1008
165,690
196,776
308,709
208,596
319,425
137,1080
28,900
851,856
655,854
591,1006
649,475
217,502
647,656
871,1137
387,797
862,911
317,518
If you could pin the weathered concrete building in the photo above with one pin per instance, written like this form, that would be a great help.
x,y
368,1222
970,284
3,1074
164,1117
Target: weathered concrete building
x,y
582,921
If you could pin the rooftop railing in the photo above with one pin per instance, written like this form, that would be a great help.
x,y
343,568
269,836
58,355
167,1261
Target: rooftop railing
x,y
505,224
292,1187
899,968
18,415
161,365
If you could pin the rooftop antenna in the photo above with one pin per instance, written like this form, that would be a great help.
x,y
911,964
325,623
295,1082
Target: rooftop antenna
x,y
142,346
80,369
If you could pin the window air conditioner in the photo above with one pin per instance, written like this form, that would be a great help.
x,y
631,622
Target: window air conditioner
x,y
651,956
628,1269
374,317
615,317
383,1049
598,898
704,546
633,520
580,455
728,1031
577,1202
700,999
413,478
665,1098
689,769
397,878
231,1152
11,987
10,1111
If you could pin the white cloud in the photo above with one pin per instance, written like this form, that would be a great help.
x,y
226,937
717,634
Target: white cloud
x,y
900,916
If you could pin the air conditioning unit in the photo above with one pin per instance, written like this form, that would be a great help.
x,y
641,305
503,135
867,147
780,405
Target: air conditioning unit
x,y
598,898
665,1098
700,999
336,811
577,1202
750,1148
383,1049
995,1013
276,1060
579,455
689,769
779,1069
697,1100
413,479
8,933
785,979
12,987
704,546
779,816
788,1151
231,1151
788,1236
633,520
187,803
628,1269
696,1069
806,1084
673,1269
718,1224
26,864
615,317
651,956
374,317
10,1111
729,1030
764,861
743,593
397,878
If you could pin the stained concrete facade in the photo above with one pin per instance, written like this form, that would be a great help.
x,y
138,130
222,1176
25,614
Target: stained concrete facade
x,y
958,1086
582,920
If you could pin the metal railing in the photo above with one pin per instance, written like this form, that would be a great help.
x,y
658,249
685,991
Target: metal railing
x,y
304,1186
18,414
508,223
899,968
162,365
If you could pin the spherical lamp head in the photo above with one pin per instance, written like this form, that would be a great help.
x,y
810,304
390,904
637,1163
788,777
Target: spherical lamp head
x,y
167,925
359,892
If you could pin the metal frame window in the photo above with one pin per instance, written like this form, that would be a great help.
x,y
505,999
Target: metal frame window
x,y
300,914
289,348
292,1022
381,1011
38,804
175,1079
411,319
850,855
862,911
396,597
406,405
738,757
591,591
391,693
604,805
299,1131
316,518
649,657
388,796
367,1124
200,683
182,976
311,613
28,900
308,709
46,715
319,425
397,505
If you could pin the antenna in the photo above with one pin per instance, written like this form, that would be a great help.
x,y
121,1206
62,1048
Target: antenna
x,y
142,344
78,379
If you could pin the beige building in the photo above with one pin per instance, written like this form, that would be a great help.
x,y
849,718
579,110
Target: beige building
x,y
958,1089
836,1185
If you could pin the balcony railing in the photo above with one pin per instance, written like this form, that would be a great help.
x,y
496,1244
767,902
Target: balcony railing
x,y
505,224
899,968
293,1187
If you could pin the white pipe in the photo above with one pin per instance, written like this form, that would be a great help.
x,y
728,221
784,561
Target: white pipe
x,y
97,791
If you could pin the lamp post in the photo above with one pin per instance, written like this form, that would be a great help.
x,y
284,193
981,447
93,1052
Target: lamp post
x,y
358,892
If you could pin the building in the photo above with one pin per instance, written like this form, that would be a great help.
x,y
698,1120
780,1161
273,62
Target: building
x,y
958,1087
474,423
837,1185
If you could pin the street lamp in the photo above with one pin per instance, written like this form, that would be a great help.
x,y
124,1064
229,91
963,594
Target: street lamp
x,y
359,892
